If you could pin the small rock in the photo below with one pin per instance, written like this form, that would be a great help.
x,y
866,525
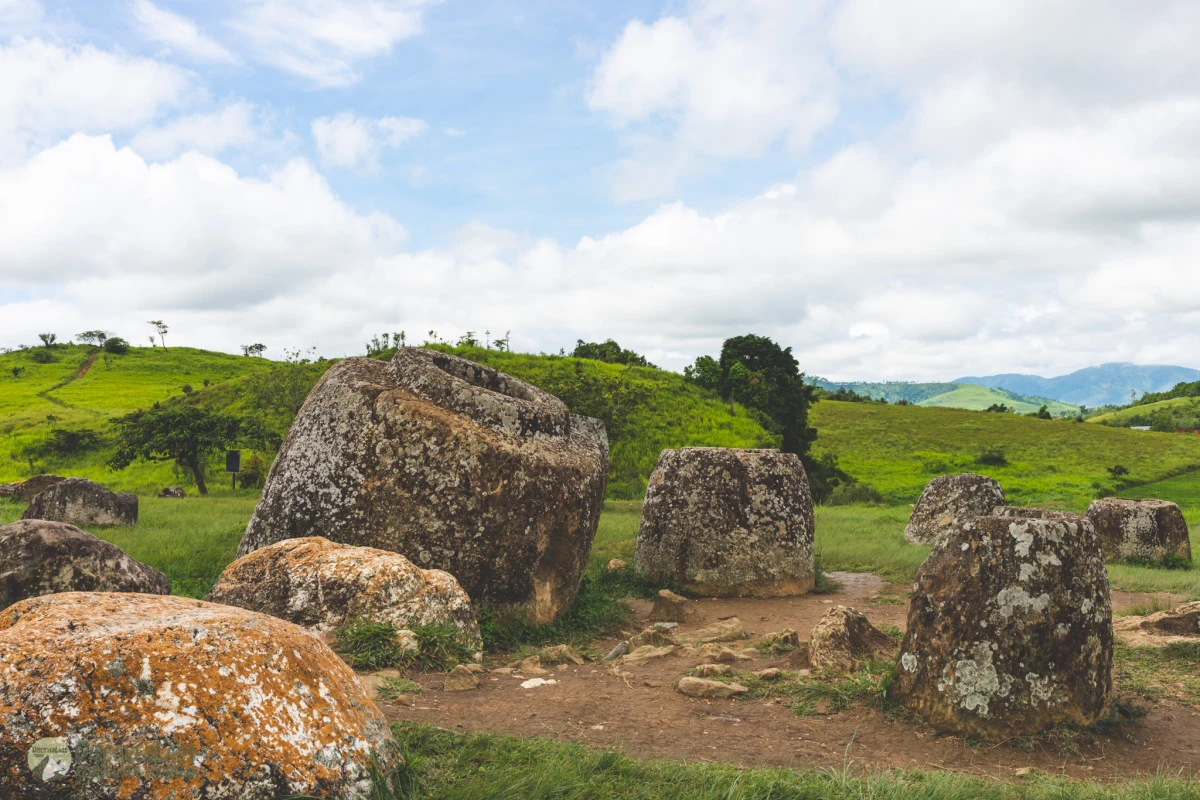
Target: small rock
x,y
729,630
711,670
407,641
1022,772
699,687
653,684
531,662
646,653
503,671
536,671
666,626
727,656
621,649
651,636
533,683
460,679
823,707
474,669
804,673
561,667
617,565
563,652
843,639
173,492
670,607
770,674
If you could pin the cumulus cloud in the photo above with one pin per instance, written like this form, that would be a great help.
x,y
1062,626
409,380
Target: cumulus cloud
x,y
230,127
17,15
323,41
51,89
354,142
178,33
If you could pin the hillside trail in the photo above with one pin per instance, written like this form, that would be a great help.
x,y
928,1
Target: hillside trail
x,y
646,718
87,364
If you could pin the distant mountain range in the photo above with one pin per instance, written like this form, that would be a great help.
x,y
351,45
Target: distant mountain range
x,y
1107,384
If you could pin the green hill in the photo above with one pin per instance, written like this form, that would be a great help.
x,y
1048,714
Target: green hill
x,y
1061,463
647,409
950,395
1178,413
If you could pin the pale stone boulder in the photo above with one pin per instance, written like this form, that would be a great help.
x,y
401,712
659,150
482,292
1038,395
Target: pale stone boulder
x,y
1140,530
844,639
948,500
38,557
81,502
322,585
167,697
452,464
1010,630
724,522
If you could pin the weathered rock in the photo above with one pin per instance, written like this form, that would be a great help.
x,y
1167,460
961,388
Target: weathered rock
x,y
81,502
653,636
322,585
646,653
726,630
27,489
948,500
713,670
460,679
38,557
700,687
1178,625
617,565
1026,512
724,655
1009,630
621,649
452,464
562,653
670,607
168,697
722,522
173,492
769,674
1140,530
843,639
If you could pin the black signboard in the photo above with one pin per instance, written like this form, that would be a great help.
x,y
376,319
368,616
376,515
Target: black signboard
x,y
233,460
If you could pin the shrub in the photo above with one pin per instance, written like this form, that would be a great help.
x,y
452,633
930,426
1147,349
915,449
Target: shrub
x,y
42,357
853,494
371,645
992,456
68,443
1117,471
116,346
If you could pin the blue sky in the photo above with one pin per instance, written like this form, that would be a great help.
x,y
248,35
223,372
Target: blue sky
x,y
913,189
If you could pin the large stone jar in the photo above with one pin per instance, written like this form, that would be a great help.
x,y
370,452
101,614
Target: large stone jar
x,y
723,522
949,499
1009,630
451,464
1140,530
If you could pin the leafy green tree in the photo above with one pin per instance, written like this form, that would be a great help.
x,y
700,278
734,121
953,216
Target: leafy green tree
x,y
254,350
705,373
161,329
610,352
1041,413
48,339
116,346
187,436
95,337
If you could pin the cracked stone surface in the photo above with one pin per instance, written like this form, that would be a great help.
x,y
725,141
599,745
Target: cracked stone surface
x,y
950,499
451,464
39,557
84,503
322,585
1010,629
725,522
1140,530
166,697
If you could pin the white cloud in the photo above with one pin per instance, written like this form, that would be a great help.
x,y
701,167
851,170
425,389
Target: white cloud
x,y
324,40
50,89
354,142
232,126
16,15
178,33
727,79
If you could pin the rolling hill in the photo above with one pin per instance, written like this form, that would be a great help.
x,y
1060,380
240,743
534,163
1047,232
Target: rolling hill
x,y
1107,384
950,395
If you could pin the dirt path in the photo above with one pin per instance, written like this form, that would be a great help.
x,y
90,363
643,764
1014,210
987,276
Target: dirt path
x,y
83,370
647,718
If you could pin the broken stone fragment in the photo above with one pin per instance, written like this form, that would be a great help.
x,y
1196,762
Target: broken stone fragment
x,y
728,630
617,565
843,639
670,607
654,636
701,687
646,653
712,670
621,649
769,674
460,679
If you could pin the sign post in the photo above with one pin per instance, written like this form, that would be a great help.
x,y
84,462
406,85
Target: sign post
x,y
233,465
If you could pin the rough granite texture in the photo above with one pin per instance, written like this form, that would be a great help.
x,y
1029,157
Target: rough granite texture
x,y
27,489
723,522
79,501
1010,629
160,698
38,557
950,499
843,639
322,585
1140,530
453,465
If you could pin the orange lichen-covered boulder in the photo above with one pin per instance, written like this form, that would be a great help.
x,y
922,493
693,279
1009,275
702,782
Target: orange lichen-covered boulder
x,y
322,585
451,464
156,698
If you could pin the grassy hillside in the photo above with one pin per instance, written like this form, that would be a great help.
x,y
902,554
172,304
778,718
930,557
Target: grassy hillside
x,y
979,398
1179,413
898,449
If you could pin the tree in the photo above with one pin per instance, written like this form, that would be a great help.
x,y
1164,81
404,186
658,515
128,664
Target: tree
x,y
95,337
1041,413
254,350
609,351
187,436
48,339
161,328
284,387
116,345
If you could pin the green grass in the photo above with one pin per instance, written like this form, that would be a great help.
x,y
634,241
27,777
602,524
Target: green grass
x,y
451,766
865,539
972,397
1184,406
1052,463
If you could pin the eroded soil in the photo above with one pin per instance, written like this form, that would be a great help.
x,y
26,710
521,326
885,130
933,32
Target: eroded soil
x,y
644,715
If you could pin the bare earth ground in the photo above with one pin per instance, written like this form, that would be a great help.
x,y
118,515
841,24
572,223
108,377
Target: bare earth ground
x,y
647,718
